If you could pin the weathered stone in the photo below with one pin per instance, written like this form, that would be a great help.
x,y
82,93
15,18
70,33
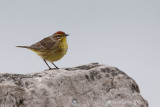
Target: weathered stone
x,y
91,85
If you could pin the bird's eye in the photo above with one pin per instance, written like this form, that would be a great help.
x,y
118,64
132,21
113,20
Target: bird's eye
x,y
58,36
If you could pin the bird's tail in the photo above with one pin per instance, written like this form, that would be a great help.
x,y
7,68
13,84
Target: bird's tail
x,y
23,47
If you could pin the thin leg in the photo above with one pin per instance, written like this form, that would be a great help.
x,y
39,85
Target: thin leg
x,y
54,65
47,64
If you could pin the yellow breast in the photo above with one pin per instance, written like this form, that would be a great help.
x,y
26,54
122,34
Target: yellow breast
x,y
55,53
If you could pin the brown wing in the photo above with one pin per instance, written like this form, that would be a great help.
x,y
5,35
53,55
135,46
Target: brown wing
x,y
44,44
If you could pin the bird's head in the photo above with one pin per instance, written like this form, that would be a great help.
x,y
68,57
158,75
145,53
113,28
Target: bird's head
x,y
60,35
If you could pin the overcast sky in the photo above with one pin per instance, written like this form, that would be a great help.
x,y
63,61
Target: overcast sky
x,y
120,33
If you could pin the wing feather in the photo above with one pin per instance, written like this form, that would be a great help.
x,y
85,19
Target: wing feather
x,y
44,44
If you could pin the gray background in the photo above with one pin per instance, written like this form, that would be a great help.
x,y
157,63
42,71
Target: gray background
x,y
121,33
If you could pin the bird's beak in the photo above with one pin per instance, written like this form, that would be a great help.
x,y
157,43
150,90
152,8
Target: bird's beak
x,y
66,34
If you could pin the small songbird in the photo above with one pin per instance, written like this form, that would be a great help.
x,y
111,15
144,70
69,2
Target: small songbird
x,y
51,48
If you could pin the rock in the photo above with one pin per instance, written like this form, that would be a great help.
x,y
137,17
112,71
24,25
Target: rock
x,y
91,85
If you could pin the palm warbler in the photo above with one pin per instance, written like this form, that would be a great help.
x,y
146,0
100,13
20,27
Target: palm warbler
x,y
51,48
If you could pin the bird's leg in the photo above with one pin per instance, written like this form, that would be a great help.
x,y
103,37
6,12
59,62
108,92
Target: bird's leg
x,y
47,65
54,65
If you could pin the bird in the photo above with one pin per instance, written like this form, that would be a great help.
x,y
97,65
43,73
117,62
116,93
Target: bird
x,y
51,48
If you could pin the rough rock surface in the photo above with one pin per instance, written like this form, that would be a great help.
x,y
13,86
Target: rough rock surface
x,y
91,85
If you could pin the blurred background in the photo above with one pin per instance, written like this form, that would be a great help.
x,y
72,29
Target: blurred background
x,y
120,33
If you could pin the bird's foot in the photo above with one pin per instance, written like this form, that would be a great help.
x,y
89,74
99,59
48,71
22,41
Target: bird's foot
x,y
51,69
